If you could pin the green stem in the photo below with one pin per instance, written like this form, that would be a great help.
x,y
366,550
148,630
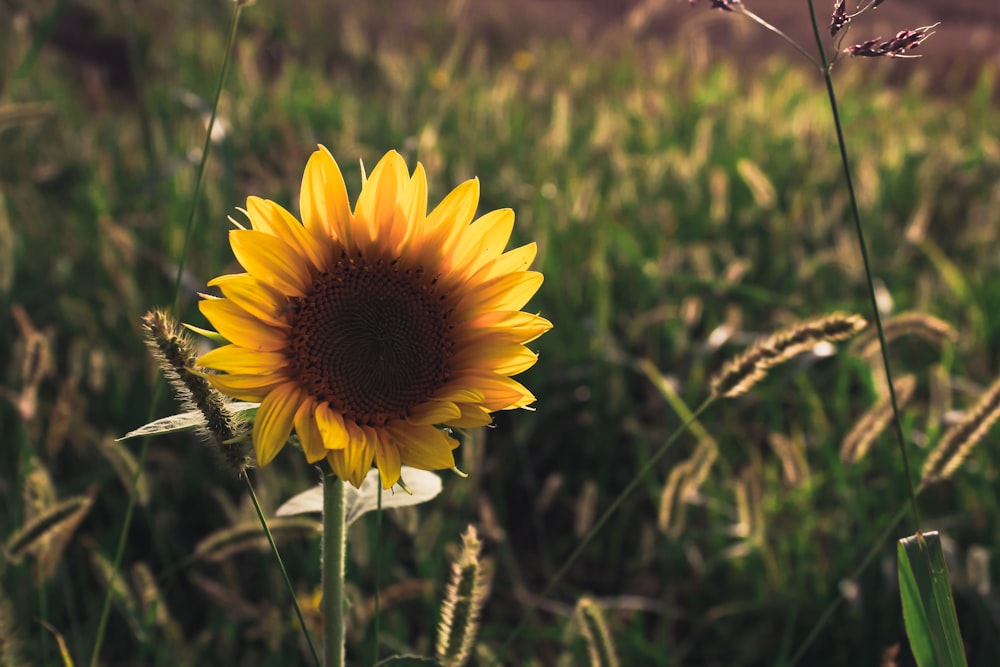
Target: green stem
x,y
609,512
189,226
855,212
378,579
281,565
827,614
130,507
333,571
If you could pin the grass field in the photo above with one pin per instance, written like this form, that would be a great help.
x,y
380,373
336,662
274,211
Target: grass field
x,y
681,207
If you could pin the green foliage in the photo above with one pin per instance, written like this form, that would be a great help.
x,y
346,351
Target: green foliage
x,y
680,210
928,608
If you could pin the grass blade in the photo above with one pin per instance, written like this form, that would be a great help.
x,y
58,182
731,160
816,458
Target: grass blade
x,y
928,608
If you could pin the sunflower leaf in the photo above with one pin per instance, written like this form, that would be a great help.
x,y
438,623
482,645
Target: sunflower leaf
x,y
423,486
185,421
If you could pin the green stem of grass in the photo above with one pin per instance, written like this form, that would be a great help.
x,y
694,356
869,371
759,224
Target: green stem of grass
x,y
130,507
856,214
281,566
189,226
334,531
854,575
610,511
378,578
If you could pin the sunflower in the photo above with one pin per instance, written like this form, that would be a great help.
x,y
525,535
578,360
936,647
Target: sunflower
x,y
368,331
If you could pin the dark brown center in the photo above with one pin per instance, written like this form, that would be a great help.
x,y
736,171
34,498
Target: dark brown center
x,y
373,340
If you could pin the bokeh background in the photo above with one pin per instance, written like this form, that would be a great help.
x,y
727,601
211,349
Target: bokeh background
x,y
677,167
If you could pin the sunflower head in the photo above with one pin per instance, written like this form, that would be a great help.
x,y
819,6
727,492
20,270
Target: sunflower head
x,y
371,331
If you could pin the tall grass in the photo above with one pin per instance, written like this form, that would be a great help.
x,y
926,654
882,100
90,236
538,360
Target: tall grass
x,y
681,210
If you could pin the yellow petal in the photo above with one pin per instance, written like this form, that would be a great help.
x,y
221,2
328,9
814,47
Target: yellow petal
x,y
387,459
412,210
473,415
331,427
241,361
522,327
308,432
323,202
518,259
459,394
376,207
508,292
433,412
263,302
424,447
499,391
241,328
499,356
271,261
273,423
449,219
283,225
483,241
246,387
353,462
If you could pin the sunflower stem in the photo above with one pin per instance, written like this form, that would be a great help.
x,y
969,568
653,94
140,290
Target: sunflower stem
x,y
333,571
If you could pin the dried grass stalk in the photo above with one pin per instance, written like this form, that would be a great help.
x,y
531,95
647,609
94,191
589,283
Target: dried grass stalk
x,y
749,368
249,536
154,607
927,327
44,527
467,591
586,508
121,595
959,441
127,468
11,652
670,521
792,454
600,647
871,424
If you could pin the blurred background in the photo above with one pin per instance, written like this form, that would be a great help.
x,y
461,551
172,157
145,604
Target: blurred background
x,y
678,168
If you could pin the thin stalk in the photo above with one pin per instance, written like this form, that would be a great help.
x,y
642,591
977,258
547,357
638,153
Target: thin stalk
x,y
609,512
333,571
856,214
281,565
378,577
753,17
158,390
855,574
189,227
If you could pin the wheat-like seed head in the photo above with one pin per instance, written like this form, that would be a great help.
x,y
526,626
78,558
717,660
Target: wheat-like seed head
x,y
871,424
743,372
176,355
959,441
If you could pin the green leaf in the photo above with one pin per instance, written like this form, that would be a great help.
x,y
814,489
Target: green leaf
x,y
408,661
185,421
928,608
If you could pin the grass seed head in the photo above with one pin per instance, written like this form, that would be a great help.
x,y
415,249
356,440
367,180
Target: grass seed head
x,y
749,368
872,423
175,352
959,441
467,591
600,646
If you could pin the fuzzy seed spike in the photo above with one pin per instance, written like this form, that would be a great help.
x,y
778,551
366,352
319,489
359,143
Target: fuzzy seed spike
x,y
175,352
746,370
467,591
593,627
959,441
